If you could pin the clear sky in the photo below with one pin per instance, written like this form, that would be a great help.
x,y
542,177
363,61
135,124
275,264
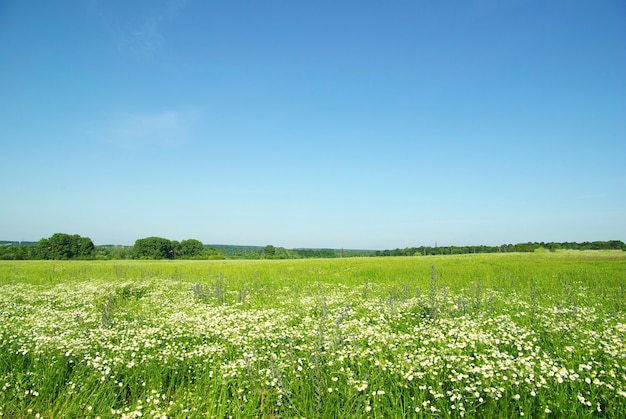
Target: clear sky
x,y
355,124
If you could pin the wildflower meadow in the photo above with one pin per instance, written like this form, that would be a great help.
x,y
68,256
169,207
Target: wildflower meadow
x,y
501,335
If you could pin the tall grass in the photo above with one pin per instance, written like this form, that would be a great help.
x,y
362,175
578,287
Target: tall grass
x,y
536,335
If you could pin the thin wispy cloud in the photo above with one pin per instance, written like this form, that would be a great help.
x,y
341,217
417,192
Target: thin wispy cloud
x,y
145,40
162,129
140,34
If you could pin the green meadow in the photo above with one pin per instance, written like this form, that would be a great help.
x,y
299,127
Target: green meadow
x,y
493,335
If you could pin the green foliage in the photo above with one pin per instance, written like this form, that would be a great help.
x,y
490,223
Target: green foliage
x,y
315,253
190,249
109,252
18,251
160,248
256,252
269,251
62,246
213,254
272,252
505,248
153,248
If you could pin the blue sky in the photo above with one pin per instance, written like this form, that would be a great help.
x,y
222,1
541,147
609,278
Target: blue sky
x,y
355,124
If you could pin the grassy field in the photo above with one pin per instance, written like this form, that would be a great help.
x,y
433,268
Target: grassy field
x,y
500,335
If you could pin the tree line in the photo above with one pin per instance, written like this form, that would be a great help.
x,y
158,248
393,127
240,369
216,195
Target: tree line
x,y
61,246
160,248
65,247
505,248
271,252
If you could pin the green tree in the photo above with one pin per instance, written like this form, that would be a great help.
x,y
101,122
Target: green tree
x,y
114,252
269,251
191,248
175,252
61,246
212,253
86,248
153,248
18,251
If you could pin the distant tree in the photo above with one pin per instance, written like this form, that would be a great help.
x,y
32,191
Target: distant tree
x,y
56,246
175,251
153,248
191,248
86,248
553,246
269,251
114,252
17,251
281,253
314,253
62,246
212,253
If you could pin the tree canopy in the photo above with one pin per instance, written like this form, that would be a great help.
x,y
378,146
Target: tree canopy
x,y
153,248
190,248
63,246
161,248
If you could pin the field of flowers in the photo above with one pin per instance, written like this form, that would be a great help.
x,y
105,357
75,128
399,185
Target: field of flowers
x,y
506,335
